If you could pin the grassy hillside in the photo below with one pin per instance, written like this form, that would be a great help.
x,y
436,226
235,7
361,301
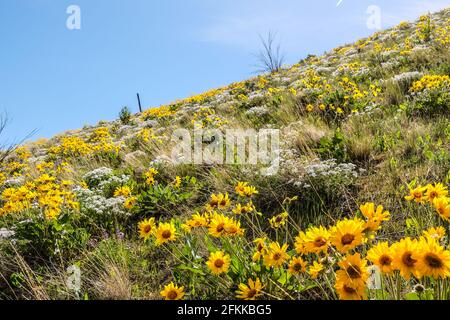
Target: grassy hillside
x,y
362,182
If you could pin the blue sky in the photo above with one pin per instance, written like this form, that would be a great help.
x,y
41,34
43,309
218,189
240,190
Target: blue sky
x,y
54,79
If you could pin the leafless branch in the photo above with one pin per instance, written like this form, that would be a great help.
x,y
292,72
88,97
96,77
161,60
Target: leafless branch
x,y
270,57
7,148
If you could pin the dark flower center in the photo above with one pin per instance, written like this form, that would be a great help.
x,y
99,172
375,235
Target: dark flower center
x,y
251,293
220,227
172,295
354,272
213,203
232,229
408,260
385,260
297,267
349,290
219,263
433,261
166,234
320,242
347,239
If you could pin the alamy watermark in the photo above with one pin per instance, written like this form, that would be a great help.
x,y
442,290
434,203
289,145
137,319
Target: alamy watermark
x,y
73,21
374,20
374,281
232,146
73,281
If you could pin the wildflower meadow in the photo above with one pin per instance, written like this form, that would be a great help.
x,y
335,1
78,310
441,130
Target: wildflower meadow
x,y
352,204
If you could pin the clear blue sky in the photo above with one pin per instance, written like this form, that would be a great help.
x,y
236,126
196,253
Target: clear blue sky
x,y
53,79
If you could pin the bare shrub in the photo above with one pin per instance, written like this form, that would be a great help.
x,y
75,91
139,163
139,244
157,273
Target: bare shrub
x,y
270,58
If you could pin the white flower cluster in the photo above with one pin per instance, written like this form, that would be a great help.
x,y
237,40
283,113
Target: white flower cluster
x,y
149,124
14,182
290,163
407,76
351,52
255,95
392,64
323,70
93,202
304,172
311,91
389,54
257,111
161,160
113,180
5,233
124,130
102,178
98,175
331,168
222,97
371,108
363,71
420,47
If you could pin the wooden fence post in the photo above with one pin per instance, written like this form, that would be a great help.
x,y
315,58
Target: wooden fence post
x,y
139,102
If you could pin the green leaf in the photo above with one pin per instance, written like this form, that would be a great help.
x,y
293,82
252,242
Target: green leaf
x,y
256,267
284,277
302,288
412,296
191,269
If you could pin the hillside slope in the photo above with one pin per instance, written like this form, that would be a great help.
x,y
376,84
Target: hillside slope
x,y
365,124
